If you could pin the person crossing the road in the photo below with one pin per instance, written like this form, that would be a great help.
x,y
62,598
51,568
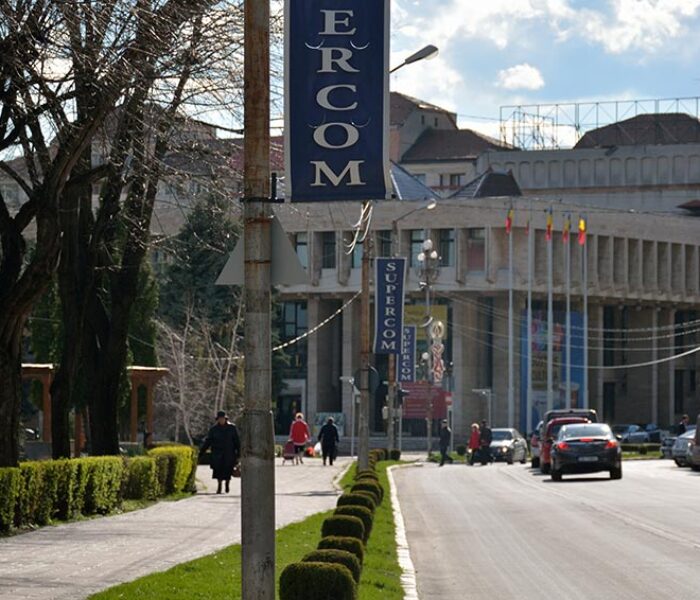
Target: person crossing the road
x,y
485,439
445,439
474,443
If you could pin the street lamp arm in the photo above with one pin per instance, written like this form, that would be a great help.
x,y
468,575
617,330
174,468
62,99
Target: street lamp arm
x,y
425,53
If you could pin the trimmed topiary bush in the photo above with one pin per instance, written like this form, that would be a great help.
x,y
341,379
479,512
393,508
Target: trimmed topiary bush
x,y
181,466
317,581
370,486
345,526
461,450
366,474
358,499
361,512
341,557
141,478
337,542
395,454
10,486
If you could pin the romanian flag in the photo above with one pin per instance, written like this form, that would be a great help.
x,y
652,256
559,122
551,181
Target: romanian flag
x,y
550,222
509,220
567,228
581,231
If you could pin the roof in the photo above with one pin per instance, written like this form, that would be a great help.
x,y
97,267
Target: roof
x,y
647,129
407,187
450,144
401,106
693,206
490,184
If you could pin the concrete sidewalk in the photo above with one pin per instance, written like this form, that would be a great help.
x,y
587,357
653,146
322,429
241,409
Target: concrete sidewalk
x,y
74,560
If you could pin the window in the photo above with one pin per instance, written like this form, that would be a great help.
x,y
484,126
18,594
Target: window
x,y
328,249
301,245
455,180
416,246
356,257
436,121
294,323
476,249
446,247
608,336
384,243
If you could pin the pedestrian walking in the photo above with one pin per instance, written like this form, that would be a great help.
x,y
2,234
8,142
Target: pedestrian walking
x,y
683,425
299,434
329,438
485,439
474,443
445,439
225,450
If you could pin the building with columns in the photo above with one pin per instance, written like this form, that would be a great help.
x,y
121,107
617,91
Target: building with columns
x,y
642,248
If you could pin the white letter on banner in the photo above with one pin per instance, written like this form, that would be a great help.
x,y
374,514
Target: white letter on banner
x,y
352,168
327,60
324,102
352,136
330,21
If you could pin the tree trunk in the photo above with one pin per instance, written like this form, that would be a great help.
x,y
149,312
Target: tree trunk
x,y
10,399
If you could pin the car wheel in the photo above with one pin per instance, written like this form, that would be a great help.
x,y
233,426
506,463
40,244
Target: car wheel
x,y
523,460
616,473
535,462
678,462
556,474
545,468
695,467
509,460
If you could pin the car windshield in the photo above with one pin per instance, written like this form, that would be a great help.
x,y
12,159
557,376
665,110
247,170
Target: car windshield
x,y
585,430
689,434
499,435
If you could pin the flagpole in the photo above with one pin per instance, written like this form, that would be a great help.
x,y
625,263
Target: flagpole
x,y
530,240
584,259
567,260
550,318
511,398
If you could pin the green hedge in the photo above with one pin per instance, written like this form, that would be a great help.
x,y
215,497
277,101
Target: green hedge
x,y
345,526
358,499
367,474
370,486
349,544
39,492
361,512
394,454
317,581
340,557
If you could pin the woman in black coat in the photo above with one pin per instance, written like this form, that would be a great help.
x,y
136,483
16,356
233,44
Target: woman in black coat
x,y
225,449
328,436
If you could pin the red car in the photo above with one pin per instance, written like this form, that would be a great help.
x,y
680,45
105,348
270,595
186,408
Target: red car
x,y
551,431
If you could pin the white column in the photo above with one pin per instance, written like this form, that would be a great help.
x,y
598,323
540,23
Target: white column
x,y
511,397
550,328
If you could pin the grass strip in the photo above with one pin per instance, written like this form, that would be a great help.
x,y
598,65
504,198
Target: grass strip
x,y
217,576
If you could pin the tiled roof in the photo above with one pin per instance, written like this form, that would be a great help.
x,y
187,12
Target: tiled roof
x,y
450,144
647,129
407,187
490,184
401,106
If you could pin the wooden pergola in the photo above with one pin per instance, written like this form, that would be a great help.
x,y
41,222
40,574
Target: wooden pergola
x,y
147,377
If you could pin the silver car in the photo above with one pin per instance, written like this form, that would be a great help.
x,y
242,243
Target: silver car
x,y
694,451
682,447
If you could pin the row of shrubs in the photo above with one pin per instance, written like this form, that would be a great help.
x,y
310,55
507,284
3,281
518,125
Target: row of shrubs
x,y
333,570
641,448
39,492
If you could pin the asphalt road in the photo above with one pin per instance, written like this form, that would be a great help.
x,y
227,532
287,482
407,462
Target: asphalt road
x,y
503,532
73,560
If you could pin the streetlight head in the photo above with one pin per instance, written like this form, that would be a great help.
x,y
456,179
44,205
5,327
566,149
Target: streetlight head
x,y
425,53
428,245
433,255
420,257
431,205
425,356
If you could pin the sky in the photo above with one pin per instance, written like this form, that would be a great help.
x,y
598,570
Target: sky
x,y
510,52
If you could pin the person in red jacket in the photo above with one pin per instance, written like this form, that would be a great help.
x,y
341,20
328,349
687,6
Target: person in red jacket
x,y
474,443
299,434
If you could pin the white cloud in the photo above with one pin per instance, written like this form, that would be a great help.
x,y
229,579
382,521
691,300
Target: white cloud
x,y
520,77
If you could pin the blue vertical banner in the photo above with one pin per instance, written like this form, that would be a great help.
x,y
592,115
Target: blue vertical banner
x,y
406,371
389,279
336,100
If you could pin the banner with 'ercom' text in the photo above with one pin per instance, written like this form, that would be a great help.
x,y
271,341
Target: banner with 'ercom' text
x,y
336,100
389,278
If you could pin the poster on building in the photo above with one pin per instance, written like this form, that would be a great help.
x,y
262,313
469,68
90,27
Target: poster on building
x,y
389,279
407,359
424,401
336,100
538,349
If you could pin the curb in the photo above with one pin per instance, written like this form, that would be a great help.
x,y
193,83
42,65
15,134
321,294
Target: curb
x,y
408,577
338,478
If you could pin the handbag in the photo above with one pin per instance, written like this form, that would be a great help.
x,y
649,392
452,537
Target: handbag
x,y
236,470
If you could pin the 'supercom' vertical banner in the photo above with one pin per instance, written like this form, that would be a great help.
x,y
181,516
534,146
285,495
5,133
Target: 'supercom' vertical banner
x,y
336,100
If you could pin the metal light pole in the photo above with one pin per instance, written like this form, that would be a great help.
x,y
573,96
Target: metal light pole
x,y
391,368
428,259
365,347
258,482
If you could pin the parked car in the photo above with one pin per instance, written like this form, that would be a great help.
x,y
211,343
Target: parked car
x,y
667,446
551,431
508,445
587,413
586,448
694,451
629,433
535,445
681,446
